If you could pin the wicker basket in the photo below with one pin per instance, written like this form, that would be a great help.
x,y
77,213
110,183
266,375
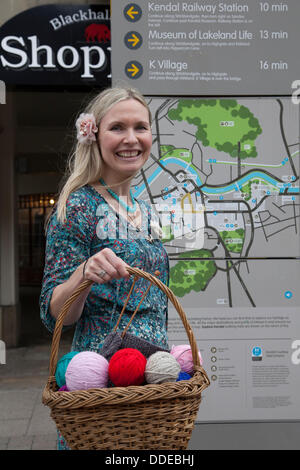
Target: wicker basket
x,y
152,416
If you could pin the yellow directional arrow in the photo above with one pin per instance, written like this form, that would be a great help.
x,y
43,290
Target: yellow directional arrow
x,y
134,70
131,12
134,39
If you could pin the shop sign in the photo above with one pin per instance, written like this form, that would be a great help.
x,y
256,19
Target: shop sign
x,y
57,45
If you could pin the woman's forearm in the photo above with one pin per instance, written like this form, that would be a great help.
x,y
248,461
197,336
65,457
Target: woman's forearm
x,y
100,268
63,292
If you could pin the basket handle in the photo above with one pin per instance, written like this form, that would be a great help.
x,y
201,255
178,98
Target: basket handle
x,y
126,302
139,273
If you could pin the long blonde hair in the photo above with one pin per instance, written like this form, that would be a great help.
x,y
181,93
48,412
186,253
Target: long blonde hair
x,y
84,165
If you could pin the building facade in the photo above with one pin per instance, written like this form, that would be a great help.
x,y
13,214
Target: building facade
x,y
36,130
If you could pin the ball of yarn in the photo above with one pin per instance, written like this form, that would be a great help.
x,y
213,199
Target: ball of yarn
x,y
86,370
183,355
161,367
60,373
64,388
127,367
183,376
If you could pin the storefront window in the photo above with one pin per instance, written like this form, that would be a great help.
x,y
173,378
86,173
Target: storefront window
x,y
32,214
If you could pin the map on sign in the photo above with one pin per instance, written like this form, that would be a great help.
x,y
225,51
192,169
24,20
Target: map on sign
x,y
224,177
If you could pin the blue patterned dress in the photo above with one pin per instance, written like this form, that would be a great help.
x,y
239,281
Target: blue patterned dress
x,y
90,226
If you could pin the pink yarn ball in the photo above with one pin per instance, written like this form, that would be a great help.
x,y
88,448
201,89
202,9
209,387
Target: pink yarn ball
x,y
86,370
183,355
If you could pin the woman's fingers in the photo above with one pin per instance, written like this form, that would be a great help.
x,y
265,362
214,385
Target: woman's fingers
x,y
104,266
117,263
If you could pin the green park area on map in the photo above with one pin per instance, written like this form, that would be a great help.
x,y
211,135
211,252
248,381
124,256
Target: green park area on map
x,y
221,124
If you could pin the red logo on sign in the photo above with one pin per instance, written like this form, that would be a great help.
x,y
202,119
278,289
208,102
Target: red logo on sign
x,y
99,32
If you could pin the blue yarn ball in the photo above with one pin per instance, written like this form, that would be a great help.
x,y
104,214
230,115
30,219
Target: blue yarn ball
x,y
183,376
60,373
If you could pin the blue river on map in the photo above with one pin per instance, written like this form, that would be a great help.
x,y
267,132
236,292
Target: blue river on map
x,y
217,190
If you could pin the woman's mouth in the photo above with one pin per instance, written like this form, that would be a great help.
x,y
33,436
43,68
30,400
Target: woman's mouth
x,y
129,154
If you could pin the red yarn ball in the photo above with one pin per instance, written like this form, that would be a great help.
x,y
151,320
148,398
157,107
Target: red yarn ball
x,y
127,367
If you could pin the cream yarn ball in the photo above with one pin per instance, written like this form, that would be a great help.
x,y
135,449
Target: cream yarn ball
x,y
161,367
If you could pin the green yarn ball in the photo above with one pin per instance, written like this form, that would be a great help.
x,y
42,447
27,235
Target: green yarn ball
x,y
60,373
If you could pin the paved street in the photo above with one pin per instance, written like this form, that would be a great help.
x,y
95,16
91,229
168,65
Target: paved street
x,y
25,423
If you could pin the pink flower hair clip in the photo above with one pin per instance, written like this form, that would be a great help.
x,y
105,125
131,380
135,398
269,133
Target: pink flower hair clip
x,y
86,128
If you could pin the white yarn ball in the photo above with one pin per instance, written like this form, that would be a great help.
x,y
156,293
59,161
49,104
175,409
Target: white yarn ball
x,y
161,367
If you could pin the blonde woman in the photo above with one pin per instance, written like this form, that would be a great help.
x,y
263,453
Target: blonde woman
x,y
98,228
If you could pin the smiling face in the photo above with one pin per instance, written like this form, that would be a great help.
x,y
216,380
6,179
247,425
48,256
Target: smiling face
x,y
124,139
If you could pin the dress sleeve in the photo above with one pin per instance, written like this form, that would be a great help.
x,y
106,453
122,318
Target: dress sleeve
x,y
67,246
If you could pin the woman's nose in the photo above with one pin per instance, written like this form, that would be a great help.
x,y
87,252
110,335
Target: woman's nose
x,y
130,136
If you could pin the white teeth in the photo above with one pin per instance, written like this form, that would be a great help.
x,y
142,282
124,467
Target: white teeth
x,y
128,154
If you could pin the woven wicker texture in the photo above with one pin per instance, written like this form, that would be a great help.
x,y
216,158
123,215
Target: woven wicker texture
x,y
152,416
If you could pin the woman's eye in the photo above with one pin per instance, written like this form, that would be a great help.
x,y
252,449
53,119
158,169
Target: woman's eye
x,y
119,127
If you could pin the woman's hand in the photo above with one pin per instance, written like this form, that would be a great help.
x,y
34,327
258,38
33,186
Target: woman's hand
x,y
105,266
100,268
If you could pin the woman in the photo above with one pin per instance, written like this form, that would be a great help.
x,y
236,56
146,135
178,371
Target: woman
x,y
98,228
